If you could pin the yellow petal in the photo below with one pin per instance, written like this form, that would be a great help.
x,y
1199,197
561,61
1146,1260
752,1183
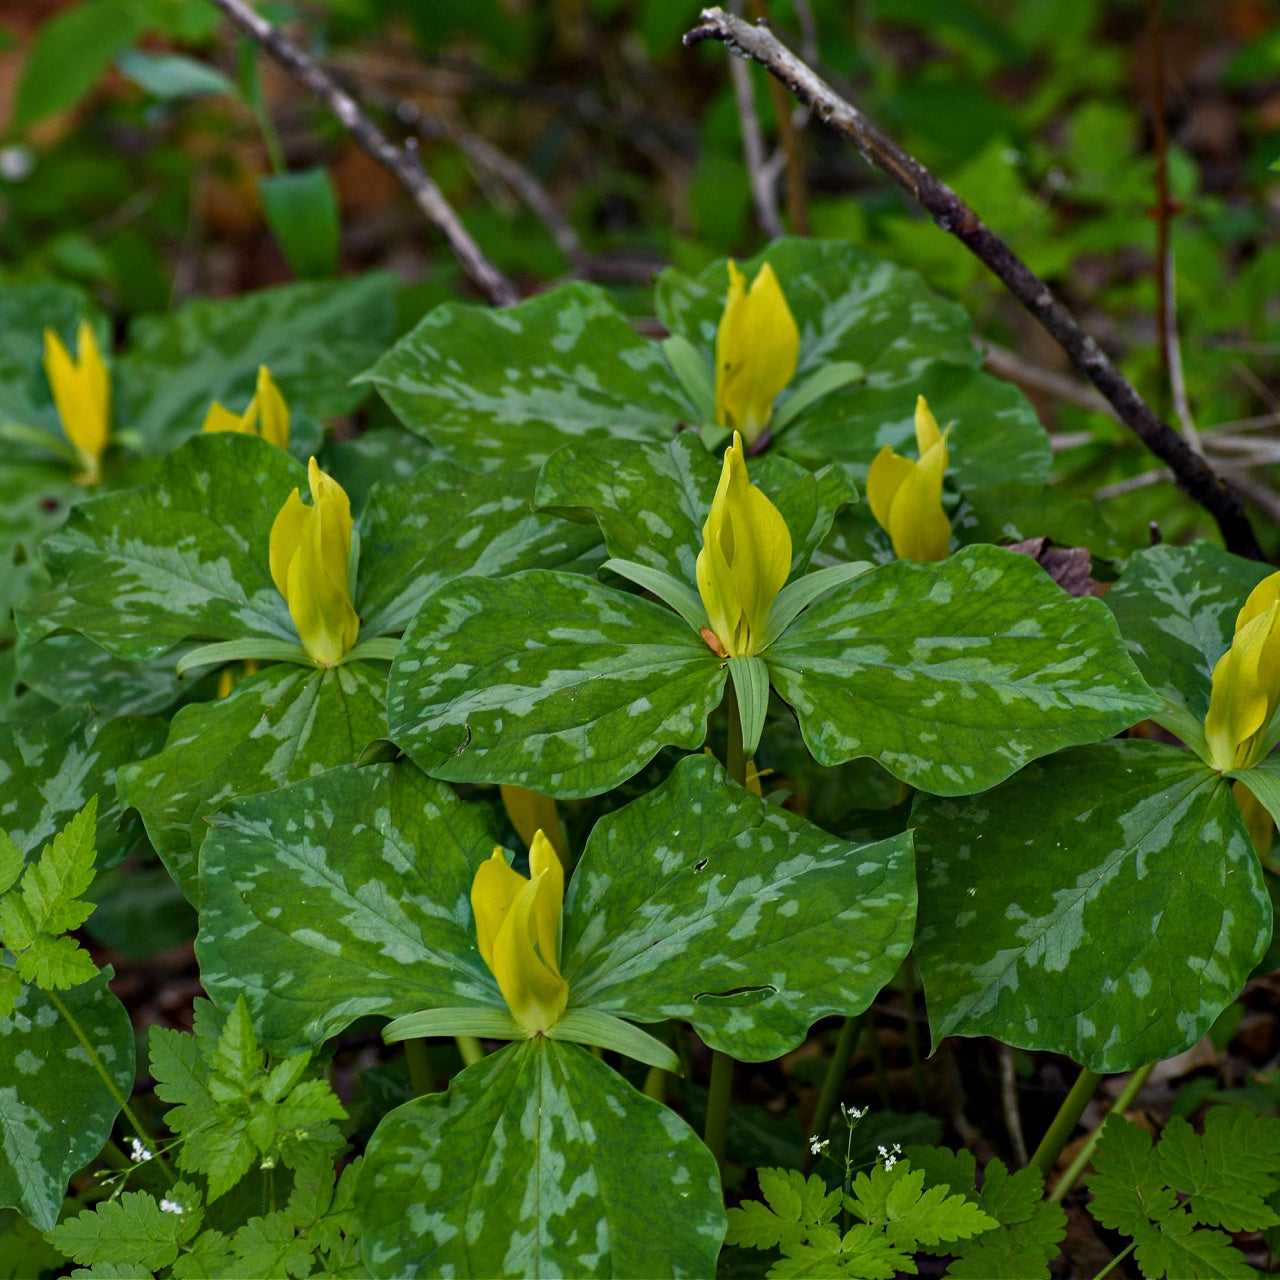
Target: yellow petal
x,y
1261,598
286,537
906,497
534,991
545,866
529,812
1245,692
757,348
745,557
495,887
884,479
927,433
275,412
220,418
82,393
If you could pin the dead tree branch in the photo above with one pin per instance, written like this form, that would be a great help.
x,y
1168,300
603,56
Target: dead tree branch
x,y
1191,472
402,161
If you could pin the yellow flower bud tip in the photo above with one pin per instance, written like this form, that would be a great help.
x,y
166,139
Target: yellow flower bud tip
x,y
906,497
1245,690
757,349
267,415
518,926
310,554
744,561
82,394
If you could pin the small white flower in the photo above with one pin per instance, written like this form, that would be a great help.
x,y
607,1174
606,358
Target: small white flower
x,y
818,1145
171,1206
137,1152
889,1155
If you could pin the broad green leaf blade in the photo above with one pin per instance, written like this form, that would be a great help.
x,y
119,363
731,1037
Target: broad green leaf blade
x,y
185,557
693,374
173,75
700,901
591,1027
343,895
506,388
278,726
301,209
36,497
313,337
57,1111
1177,608
651,501
817,386
954,675
1106,903
449,523
1264,781
671,591
549,681
466,1020
540,1161
800,593
50,767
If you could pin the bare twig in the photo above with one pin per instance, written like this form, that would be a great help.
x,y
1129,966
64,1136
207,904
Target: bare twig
x,y
761,178
403,162
789,141
1133,484
1193,474
1009,1105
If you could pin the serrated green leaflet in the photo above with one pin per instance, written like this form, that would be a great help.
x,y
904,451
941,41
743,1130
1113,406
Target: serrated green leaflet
x,y
1177,608
651,501
449,523
55,1110
344,895
313,338
700,901
185,557
1106,904
50,767
547,680
280,725
506,388
540,1161
954,675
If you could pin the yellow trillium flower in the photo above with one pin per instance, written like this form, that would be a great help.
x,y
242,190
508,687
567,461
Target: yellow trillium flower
x,y
757,347
906,496
1246,682
310,564
518,928
267,415
82,394
745,558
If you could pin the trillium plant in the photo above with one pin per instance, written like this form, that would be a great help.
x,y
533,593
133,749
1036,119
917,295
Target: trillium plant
x,y
613,714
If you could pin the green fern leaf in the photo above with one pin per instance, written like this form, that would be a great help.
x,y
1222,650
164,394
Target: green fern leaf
x,y
1128,1190
895,1199
1175,1249
1229,1171
11,862
270,1246
863,1254
796,1205
133,1229
55,963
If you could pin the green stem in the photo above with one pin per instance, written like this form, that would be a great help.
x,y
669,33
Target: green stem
x,y
734,758
718,1094
1085,1154
655,1084
418,1057
1046,1154
877,1065
837,1070
1119,1258
120,1100
251,83
470,1048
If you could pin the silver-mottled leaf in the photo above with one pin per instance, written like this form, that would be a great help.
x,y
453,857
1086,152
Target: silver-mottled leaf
x,y
540,1161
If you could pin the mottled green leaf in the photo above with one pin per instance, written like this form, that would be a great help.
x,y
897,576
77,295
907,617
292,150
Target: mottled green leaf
x,y
547,680
36,498
182,558
1106,903
539,1161
313,337
1177,608
344,895
57,1111
446,523
954,675
50,767
700,901
280,725
651,501
506,388
386,454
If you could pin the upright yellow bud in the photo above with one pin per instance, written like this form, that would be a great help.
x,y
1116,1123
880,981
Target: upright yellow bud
x,y
518,929
1246,682
757,347
745,558
267,415
906,496
82,394
310,565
